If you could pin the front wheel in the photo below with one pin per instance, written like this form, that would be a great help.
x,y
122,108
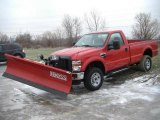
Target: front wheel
x,y
93,79
145,64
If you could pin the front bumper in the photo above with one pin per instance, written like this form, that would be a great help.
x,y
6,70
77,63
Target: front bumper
x,y
78,76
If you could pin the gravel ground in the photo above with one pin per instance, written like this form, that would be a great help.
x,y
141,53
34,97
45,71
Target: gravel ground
x,y
129,95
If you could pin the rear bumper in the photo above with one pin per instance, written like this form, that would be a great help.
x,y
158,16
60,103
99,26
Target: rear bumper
x,y
78,76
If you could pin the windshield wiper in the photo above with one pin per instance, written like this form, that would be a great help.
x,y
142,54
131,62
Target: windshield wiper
x,y
88,46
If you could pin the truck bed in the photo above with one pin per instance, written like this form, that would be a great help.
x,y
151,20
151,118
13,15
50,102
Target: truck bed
x,y
135,41
137,49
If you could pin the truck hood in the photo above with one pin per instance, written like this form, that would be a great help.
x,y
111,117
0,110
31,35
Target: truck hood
x,y
74,51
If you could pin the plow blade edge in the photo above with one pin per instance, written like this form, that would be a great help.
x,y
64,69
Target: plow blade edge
x,y
41,76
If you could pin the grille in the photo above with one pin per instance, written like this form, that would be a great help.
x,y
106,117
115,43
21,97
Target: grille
x,y
60,62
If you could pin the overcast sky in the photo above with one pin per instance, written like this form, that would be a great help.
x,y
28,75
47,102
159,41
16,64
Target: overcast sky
x,y
37,16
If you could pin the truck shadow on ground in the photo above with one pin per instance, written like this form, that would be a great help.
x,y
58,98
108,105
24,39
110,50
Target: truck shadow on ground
x,y
109,83
112,81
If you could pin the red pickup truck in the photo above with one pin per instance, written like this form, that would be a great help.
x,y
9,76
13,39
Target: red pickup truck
x,y
95,55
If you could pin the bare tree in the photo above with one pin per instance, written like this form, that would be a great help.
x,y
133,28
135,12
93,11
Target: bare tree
x,y
77,27
72,27
3,38
145,27
24,39
94,21
49,39
59,33
68,26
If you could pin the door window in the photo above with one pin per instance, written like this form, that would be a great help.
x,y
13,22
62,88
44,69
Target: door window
x,y
116,36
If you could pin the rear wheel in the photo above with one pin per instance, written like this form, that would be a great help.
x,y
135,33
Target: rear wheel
x,y
93,79
145,64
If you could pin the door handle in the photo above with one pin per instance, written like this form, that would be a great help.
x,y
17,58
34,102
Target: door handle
x,y
103,55
126,49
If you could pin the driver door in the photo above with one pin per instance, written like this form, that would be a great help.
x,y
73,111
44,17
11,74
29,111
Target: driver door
x,y
117,58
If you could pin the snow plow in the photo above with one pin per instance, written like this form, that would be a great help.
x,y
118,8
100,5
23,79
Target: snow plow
x,y
38,75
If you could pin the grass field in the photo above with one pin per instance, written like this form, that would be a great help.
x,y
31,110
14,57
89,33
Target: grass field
x,y
156,60
33,53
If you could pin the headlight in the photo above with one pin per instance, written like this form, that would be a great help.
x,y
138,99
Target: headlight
x,y
76,65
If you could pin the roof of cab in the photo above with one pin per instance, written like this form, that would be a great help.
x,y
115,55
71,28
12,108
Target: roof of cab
x,y
111,31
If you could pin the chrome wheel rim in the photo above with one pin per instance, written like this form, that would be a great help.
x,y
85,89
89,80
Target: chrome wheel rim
x,y
148,64
95,79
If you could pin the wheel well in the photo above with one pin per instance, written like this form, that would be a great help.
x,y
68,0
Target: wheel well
x,y
97,64
148,52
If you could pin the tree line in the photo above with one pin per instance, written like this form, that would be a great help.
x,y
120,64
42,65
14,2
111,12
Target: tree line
x,y
71,28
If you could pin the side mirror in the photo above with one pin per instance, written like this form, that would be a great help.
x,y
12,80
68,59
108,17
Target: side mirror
x,y
116,44
40,57
110,47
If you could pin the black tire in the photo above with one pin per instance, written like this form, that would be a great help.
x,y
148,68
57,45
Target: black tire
x,y
93,79
145,64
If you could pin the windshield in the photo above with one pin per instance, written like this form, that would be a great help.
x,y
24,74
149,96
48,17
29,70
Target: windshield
x,y
92,40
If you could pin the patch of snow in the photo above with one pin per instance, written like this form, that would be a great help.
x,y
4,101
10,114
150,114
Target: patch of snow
x,y
135,89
